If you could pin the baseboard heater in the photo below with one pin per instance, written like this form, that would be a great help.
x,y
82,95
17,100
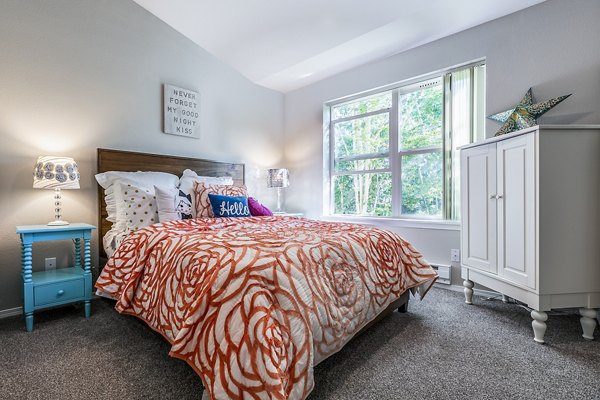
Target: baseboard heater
x,y
443,272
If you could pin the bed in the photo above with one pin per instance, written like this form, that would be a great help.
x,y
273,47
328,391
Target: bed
x,y
253,304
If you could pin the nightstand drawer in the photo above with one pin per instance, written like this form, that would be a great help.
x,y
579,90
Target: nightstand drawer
x,y
58,292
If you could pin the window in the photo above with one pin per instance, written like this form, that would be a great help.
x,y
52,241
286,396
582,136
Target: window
x,y
393,153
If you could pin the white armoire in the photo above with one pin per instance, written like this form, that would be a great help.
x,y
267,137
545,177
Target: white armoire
x,y
530,214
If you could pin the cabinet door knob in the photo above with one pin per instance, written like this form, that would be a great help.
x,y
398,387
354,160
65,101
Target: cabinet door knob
x,y
60,292
493,196
499,196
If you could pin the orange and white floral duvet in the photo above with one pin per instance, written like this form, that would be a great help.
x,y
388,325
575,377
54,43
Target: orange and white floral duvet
x,y
252,304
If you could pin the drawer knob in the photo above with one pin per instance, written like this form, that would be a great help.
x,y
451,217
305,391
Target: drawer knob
x,y
60,292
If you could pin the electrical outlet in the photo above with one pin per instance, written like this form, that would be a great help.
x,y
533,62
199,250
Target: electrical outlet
x,y
50,263
455,255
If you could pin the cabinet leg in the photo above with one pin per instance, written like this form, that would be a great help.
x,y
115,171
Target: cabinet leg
x,y
539,325
29,321
468,291
88,308
588,322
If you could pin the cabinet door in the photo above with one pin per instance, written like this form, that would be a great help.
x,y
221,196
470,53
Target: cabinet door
x,y
478,207
516,209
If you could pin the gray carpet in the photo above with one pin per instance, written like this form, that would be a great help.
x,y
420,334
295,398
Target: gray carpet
x,y
440,349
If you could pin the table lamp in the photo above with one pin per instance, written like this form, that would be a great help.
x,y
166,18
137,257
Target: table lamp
x,y
278,178
56,173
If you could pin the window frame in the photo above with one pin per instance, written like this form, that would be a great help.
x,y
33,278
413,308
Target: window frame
x,y
394,153
331,129
362,156
406,89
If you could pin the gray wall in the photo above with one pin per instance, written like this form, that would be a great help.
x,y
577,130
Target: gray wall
x,y
552,47
77,75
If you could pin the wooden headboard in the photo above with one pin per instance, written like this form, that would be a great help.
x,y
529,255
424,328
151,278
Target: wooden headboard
x,y
118,160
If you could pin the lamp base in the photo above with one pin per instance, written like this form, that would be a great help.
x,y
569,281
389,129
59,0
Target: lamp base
x,y
57,223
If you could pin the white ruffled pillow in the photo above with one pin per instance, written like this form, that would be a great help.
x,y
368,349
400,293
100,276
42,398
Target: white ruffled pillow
x,y
142,179
112,239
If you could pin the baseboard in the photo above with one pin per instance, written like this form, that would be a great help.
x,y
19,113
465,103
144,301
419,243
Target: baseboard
x,y
476,292
11,312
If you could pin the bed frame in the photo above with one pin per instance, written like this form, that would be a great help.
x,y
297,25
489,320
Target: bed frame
x,y
118,160
401,305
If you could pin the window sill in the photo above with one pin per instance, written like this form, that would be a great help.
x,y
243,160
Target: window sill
x,y
447,225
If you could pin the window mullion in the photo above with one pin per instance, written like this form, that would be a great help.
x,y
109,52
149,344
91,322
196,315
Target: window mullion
x,y
331,167
361,172
363,157
361,116
447,151
421,150
395,164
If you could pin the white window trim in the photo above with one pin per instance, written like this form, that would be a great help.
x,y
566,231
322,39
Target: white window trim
x,y
402,221
392,222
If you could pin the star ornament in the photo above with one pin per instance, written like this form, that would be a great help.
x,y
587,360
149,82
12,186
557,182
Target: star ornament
x,y
525,114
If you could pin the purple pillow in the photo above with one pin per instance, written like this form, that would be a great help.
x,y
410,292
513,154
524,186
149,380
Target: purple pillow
x,y
257,209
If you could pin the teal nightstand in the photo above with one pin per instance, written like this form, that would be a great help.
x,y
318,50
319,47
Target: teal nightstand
x,y
61,286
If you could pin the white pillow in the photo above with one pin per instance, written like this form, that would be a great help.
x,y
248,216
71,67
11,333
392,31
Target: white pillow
x,y
165,201
114,204
189,177
114,194
140,206
143,178
112,240
111,204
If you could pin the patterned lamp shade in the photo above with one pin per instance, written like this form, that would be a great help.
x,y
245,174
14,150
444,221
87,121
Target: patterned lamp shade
x,y
55,173
278,178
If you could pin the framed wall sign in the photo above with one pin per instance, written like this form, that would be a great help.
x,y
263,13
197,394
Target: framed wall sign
x,y
181,111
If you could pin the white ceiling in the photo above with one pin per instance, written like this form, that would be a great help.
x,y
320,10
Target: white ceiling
x,y
285,44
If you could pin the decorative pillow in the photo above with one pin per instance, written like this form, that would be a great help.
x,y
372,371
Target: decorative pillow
x,y
189,178
114,204
140,207
202,202
184,205
257,209
173,204
229,206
